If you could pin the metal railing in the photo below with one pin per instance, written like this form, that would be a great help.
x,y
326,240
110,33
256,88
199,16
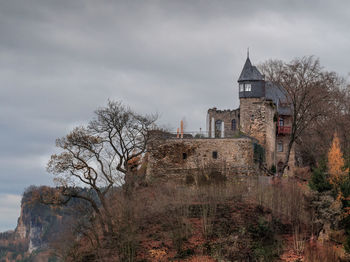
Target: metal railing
x,y
191,134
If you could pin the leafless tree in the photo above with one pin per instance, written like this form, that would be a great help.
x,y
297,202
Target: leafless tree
x,y
98,157
308,90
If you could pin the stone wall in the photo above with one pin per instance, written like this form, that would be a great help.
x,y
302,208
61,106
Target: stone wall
x,y
174,158
270,146
227,116
257,120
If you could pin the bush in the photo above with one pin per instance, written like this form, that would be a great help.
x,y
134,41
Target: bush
x,y
345,190
262,231
319,180
265,246
259,153
273,169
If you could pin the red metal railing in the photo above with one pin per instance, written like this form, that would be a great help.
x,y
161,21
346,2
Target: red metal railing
x,y
284,130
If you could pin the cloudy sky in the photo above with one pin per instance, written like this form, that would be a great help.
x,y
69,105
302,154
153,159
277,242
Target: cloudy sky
x,y
60,60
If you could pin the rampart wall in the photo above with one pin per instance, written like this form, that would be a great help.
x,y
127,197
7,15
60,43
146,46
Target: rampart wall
x,y
172,158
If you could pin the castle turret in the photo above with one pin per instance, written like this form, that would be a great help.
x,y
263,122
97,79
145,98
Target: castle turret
x,y
256,114
251,81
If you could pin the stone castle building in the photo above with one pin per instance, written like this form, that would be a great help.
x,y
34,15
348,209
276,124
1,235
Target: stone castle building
x,y
241,141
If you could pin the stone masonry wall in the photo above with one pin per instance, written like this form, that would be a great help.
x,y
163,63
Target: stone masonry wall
x,y
226,116
270,134
257,120
173,158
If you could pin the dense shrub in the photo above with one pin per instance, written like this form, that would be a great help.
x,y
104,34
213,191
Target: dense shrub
x,y
319,179
265,246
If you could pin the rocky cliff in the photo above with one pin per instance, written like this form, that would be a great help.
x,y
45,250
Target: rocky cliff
x,y
38,225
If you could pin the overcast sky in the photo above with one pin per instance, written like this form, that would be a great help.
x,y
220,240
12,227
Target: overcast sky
x,y
60,60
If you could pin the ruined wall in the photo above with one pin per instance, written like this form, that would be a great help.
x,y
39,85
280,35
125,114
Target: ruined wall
x,y
226,116
257,120
174,158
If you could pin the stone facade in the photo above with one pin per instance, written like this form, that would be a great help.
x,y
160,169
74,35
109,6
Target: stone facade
x,y
264,116
257,120
174,158
222,123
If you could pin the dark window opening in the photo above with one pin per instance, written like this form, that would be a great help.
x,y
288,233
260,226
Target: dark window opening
x,y
233,124
280,168
218,128
215,154
184,155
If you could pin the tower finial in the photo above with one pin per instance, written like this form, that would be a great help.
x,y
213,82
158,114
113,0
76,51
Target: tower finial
x,y
248,52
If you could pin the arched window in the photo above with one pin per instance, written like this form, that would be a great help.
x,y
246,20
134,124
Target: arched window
x,y
218,125
233,124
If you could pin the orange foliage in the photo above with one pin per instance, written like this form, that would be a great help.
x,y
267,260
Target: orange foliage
x,y
336,163
158,254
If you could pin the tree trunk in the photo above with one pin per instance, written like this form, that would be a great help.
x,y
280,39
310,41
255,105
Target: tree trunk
x,y
289,149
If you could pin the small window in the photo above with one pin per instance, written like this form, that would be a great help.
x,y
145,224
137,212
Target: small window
x,y
233,124
241,87
280,147
184,155
281,121
215,154
248,87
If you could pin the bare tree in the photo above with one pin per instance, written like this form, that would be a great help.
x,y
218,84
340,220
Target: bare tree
x,y
308,90
96,158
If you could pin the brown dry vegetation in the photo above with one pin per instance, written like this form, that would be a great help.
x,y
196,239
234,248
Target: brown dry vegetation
x,y
244,219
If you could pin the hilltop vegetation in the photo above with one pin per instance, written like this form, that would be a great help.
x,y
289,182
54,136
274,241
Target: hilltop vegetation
x,y
260,219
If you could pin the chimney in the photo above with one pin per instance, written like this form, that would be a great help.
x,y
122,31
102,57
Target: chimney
x,y
182,129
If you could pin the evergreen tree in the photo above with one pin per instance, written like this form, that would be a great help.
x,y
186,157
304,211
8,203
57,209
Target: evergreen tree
x,y
319,179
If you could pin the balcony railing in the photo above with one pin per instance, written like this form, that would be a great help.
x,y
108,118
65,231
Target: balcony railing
x,y
284,130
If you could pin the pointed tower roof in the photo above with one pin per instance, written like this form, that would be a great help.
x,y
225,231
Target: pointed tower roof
x,y
250,72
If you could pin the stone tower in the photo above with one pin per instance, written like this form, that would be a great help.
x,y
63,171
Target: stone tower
x,y
257,113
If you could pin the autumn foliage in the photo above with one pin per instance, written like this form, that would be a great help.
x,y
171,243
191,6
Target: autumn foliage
x,y
337,173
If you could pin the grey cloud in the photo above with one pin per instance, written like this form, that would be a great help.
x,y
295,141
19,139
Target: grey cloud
x,y
9,210
60,60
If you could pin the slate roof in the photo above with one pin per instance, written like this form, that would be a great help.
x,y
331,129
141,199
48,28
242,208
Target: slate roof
x,y
277,95
250,72
272,91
